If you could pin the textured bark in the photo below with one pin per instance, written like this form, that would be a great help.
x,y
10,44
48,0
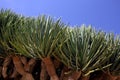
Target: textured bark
x,y
62,76
43,73
109,76
75,75
14,74
56,63
27,76
23,60
67,74
20,69
85,78
6,63
50,68
118,78
30,65
112,77
18,65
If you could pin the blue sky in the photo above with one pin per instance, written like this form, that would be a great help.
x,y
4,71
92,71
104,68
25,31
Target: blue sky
x,y
101,14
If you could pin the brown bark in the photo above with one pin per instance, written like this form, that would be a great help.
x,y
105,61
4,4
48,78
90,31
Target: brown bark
x,y
50,68
107,76
23,60
65,69
75,75
85,78
30,65
18,65
27,76
43,73
56,63
112,77
67,74
5,66
14,74
118,78
20,69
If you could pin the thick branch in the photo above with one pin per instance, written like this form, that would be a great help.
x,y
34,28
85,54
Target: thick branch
x,y
30,65
43,73
50,68
6,63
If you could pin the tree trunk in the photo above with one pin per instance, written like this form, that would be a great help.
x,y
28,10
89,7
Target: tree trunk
x,y
56,63
43,73
23,60
108,76
118,78
67,74
50,68
30,65
18,65
14,74
65,69
6,62
75,75
20,69
85,78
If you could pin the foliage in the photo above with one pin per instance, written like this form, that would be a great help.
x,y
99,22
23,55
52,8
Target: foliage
x,y
79,48
85,50
8,21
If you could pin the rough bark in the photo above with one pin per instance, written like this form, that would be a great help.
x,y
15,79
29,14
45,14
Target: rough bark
x,y
43,73
18,65
14,74
56,63
75,75
63,76
107,76
30,65
23,60
50,68
118,78
27,76
67,74
85,78
6,63
20,69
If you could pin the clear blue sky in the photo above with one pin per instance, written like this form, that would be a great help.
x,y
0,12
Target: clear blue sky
x,y
102,14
